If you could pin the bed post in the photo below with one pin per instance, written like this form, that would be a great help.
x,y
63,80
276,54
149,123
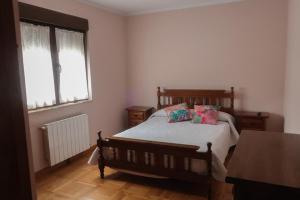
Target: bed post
x,y
232,99
101,163
158,98
209,164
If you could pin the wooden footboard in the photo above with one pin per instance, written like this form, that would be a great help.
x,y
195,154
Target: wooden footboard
x,y
155,158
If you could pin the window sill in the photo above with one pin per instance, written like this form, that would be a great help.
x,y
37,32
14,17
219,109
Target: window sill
x,y
58,106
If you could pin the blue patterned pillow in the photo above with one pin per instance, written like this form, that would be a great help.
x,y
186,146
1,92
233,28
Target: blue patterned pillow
x,y
179,115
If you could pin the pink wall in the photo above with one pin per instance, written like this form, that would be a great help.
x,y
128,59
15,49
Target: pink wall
x,y
292,83
107,47
239,44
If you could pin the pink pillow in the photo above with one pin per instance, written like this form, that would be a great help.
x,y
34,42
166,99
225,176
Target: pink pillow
x,y
205,115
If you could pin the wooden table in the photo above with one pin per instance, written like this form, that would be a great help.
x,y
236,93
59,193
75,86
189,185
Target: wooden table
x,y
265,166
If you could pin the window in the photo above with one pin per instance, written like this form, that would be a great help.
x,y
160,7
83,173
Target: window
x,y
54,65
73,83
37,65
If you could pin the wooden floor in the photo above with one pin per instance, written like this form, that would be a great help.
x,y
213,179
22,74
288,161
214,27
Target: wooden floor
x,y
80,181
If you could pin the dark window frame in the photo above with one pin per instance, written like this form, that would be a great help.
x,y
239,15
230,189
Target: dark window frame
x,y
35,15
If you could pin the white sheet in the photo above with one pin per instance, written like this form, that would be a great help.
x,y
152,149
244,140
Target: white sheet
x,y
222,136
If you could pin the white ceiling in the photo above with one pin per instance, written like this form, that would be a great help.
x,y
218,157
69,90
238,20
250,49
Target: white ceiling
x,y
136,7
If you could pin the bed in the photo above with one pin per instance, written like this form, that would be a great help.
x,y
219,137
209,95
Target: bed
x,y
184,151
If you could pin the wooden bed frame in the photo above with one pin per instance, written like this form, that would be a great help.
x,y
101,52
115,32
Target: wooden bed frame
x,y
154,158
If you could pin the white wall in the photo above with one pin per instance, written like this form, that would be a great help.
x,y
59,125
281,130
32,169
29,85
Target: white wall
x,y
292,83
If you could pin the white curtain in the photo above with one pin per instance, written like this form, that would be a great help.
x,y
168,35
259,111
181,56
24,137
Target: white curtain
x,y
37,65
73,78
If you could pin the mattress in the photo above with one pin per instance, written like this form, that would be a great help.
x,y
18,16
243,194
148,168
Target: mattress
x,y
222,136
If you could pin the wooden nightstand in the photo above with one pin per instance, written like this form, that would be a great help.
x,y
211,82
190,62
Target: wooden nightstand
x,y
251,120
138,114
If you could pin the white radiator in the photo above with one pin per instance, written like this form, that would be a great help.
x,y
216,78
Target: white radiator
x,y
66,138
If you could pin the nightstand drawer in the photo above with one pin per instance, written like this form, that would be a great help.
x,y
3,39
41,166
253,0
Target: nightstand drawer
x,y
134,115
251,120
252,124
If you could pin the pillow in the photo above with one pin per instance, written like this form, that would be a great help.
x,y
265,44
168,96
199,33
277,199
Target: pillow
x,y
160,113
205,115
223,116
181,106
201,108
163,113
179,115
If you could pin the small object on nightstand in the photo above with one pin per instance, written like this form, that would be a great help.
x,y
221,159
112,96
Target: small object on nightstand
x,y
138,114
251,120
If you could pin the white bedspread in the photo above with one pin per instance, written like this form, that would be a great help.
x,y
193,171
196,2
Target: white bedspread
x,y
222,136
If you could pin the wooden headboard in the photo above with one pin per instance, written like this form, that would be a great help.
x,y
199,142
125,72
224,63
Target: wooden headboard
x,y
223,98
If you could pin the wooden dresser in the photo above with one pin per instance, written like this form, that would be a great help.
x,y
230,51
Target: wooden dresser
x,y
265,166
138,114
251,120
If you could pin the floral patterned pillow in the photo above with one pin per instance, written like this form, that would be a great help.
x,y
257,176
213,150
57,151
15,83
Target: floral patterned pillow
x,y
205,115
202,108
179,115
181,106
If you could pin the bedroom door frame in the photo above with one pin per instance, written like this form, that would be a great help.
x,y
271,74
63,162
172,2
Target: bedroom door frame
x,y
16,166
